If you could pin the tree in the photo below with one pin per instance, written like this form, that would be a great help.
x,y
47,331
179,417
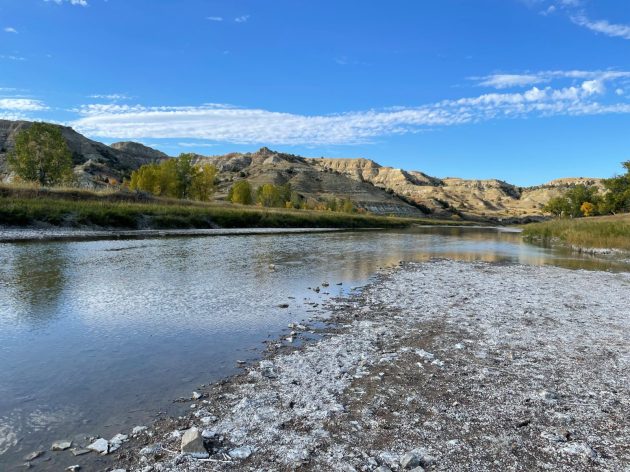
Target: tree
x,y
617,199
570,203
41,155
241,192
587,208
176,178
202,183
269,195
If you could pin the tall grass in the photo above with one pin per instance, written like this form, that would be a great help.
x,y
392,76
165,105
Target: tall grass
x,y
23,206
610,232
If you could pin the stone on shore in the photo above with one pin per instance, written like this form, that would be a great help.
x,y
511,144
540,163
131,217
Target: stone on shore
x,y
138,429
100,445
117,441
409,461
61,445
192,444
79,451
33,455
74,468
242,452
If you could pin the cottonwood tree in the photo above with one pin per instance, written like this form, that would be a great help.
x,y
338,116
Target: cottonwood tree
x,y
41,155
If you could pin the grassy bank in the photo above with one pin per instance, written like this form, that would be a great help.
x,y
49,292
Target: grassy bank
x,y
80,208
605,232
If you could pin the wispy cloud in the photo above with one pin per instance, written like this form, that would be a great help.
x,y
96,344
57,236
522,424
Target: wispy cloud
x,y
242,19
10,29
214,18
602,26
10,57
22,104
82,3
505,81
224,123
111,96
576,11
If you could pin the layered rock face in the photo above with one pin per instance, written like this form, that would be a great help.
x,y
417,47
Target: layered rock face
x,y
309,180
376,188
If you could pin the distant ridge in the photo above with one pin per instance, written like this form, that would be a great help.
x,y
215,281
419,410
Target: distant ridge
x,y
378,189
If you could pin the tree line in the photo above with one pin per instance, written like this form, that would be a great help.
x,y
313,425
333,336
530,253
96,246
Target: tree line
x,y
283,196
583,200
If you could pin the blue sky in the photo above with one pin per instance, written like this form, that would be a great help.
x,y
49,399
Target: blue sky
x,y
521,90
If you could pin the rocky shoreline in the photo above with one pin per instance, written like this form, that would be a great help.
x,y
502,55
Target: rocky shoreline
x,y
438,366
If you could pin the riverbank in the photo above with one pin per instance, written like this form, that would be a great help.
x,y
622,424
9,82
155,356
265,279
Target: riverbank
x,y
445,365
595,235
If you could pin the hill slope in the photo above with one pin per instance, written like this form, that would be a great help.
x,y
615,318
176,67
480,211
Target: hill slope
x,y
378,189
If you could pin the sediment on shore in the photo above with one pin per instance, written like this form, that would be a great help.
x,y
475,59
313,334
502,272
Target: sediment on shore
x,y
442,365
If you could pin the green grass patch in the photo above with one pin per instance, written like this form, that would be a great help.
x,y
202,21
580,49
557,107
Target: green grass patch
x,y
607,232
105,213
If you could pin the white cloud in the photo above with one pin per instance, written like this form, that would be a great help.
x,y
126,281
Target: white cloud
x,y
10,29
502,81
230,124
602,26
214,18
242,19
21,104
505,81
82,3
111,96
11,57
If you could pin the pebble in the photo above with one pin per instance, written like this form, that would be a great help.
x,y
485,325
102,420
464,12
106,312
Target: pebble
x,y
79,451
33,455
138,429
197,395
283,305
409,461
61,445
74,468
242,452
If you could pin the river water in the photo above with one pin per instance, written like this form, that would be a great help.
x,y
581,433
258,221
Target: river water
x,y
99,336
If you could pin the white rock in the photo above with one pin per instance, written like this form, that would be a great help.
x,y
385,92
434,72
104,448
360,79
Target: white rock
x,y
192,444
208,433
152,449
61,445
138,429
242,452
206,420
74,468
117,441
409,461
100,445
197,395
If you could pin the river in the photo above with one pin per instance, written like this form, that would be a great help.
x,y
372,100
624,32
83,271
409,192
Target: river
x,y
97,337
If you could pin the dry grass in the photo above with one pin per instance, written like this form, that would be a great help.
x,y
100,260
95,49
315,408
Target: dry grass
x,y
28,205
606,232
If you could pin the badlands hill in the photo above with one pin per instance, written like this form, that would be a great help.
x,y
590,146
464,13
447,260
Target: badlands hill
x,y
376,188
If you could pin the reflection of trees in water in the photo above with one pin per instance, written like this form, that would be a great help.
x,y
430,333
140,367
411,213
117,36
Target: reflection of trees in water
x,y
38,279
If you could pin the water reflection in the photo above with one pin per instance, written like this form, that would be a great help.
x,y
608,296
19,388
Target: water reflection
x,y
125,326
35,277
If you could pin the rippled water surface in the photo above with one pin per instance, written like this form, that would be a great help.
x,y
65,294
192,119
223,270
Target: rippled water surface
x,y
97,337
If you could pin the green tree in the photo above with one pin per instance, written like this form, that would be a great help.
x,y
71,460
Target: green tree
x,y
269,195
241,192
41,155
617,198
176,178
570,203
203,181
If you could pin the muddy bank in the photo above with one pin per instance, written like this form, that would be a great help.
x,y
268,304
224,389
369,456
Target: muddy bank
x,y
442,365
